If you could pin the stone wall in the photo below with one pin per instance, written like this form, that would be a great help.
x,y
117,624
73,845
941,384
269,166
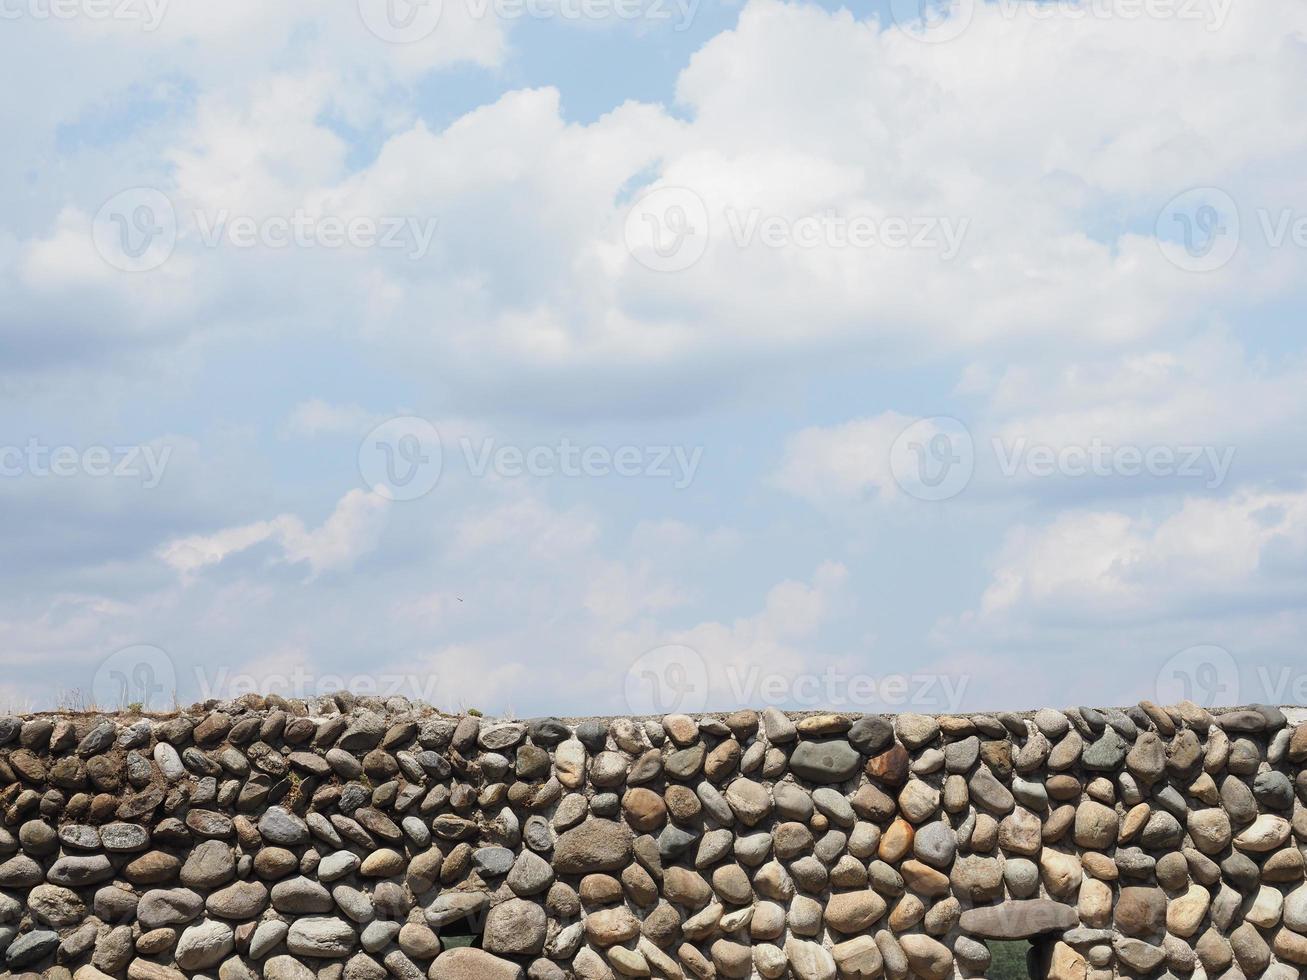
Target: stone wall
x,y
356,838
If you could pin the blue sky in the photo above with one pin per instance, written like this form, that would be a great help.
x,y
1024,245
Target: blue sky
x,y
564,358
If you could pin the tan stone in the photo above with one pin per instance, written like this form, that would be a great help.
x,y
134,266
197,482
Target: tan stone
x,y
1134,821
923,879
1267,833
907,912
858,958
927,957
1210,830
644,809
852,912
896,842
1095,826
627,962
1099,866
607,927
1020,833
1095,904
1061,872
472,964
1289,945
809,961
1185,914
682,886
1266,908
1066,964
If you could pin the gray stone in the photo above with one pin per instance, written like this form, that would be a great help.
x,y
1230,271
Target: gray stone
x,y
168,906
203,945
321,937
494,862
1019,919
935,844
831,761
530,874
595,845
1106,753
302,896
777,726
268,935
871,734
124,838
278,826
79,871
31,947
283,968
209,865
516,927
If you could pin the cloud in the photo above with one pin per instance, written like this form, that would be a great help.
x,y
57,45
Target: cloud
x,y
1208,557
770,656
530,526
1054,207
842,464
316,417
1057,320
351,531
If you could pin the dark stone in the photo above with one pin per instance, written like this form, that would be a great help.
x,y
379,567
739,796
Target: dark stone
x,y
871,734
832,761
548,731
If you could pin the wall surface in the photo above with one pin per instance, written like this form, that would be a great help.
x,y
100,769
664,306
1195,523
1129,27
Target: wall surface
x,y
360,839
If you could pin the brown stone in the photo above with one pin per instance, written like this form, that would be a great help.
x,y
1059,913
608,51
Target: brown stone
x,y
891,767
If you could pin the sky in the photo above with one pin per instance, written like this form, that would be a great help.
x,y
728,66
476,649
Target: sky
x,y
601,356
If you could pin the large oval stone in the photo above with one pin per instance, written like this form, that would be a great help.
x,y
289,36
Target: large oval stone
x,y
833,761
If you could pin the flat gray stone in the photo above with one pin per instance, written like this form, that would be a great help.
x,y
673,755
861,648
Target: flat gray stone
x,y
832,761
1019,919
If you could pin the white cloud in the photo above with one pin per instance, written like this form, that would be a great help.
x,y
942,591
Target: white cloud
x,y
1068,320
768,657
351,531
1209,556
316,417
530,526
842,464
1057,200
